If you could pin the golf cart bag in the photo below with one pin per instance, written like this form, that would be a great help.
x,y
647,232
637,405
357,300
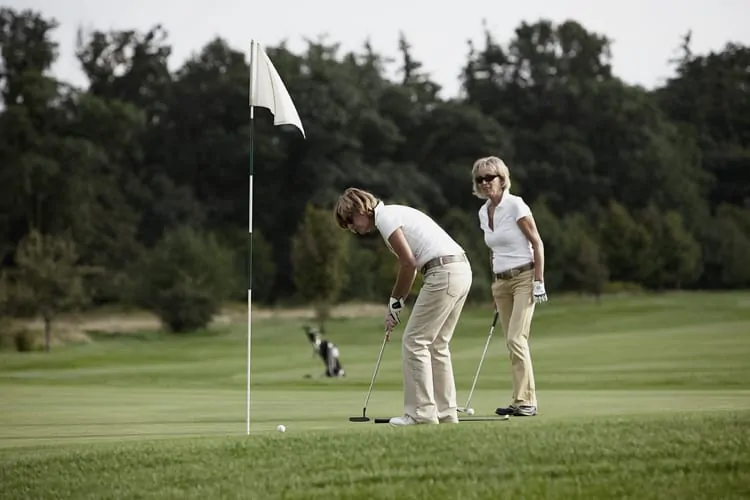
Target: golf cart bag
x,y
327,351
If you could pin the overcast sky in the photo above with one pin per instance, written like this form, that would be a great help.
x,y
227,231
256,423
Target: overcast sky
x,y
645,34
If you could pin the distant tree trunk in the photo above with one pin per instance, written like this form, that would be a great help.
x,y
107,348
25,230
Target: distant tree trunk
x,y
47,332
322,311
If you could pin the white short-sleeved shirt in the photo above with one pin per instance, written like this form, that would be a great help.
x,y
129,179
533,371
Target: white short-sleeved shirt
x,y
510,247
426,238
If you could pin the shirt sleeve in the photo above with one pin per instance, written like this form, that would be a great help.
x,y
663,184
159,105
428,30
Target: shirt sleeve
x,y
387,223
520,209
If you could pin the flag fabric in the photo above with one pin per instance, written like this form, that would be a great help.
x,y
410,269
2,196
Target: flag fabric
x,y
267,90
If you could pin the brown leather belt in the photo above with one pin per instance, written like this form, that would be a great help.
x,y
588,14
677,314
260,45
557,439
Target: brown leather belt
x,y
441,261
512,273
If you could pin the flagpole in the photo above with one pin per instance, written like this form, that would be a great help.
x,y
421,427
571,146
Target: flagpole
x,y
267,90
250,268
253,71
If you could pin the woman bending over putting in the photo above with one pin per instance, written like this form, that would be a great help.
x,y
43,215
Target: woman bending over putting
x,y
421,245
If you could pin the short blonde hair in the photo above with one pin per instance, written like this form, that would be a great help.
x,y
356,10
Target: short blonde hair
x,y
351,201
497,167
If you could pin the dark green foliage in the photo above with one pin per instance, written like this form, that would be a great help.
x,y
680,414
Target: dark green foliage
x,y
184,279
47,280
320,253
184,308
263,268
661,177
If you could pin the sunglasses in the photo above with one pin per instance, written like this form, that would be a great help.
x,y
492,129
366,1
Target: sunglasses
x,y
486,178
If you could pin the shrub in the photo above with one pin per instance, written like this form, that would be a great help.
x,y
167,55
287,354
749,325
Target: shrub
x,y
184,279
25,340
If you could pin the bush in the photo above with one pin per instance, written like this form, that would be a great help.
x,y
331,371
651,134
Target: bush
x,y
25,341
183,308
184,279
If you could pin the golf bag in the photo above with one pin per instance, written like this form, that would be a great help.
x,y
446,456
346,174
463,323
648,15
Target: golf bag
x,y
327,350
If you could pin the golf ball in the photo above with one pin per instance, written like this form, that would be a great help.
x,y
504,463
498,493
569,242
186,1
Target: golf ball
x,y
470,411
281,428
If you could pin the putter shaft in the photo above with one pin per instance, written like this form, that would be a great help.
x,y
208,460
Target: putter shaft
x,y
481,360
374,374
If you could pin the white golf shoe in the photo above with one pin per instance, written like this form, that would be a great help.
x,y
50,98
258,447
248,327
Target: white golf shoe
x,y
406,420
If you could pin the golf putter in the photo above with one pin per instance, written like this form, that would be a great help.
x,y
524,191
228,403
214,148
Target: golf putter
x,y
364,417
481,360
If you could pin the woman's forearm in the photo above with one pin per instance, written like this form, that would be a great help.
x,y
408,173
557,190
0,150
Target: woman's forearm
x,y
539,261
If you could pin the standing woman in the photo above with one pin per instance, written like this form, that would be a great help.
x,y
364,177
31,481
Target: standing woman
x,y
422,245
517,260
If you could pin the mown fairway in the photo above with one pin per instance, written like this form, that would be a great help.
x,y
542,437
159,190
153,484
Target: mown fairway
x,y
643,397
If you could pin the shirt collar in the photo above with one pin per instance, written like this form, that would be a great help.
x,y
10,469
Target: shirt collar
x,y
377,208
502,200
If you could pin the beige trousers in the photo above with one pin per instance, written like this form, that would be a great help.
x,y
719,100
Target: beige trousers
x,y
514,299
429,387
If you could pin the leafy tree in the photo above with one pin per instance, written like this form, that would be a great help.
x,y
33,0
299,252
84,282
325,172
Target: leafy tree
x,y
725,245
5,317
184,279
626,245
362,271
586,267
320,257
552,233
708,98
48,280
142,149
674,253
263,268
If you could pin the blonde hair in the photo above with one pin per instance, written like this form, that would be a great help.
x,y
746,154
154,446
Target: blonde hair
x,y
497,167
352,201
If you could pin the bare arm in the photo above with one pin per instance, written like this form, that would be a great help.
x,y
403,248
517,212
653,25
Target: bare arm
x,y
528,226
407,270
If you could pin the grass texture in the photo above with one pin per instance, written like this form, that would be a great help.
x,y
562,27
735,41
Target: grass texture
x,y
639,397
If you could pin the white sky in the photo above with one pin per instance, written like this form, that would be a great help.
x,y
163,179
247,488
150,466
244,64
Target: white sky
x,y
645,34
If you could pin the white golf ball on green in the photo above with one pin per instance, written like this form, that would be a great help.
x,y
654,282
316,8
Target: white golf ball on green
x,y
280,428
470,411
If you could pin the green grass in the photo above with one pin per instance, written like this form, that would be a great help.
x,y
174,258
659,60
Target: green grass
x,y
644,397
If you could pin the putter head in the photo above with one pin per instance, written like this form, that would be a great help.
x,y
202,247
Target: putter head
x,y
359,419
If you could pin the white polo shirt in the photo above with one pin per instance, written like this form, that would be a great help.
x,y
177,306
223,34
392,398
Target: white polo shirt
x,y
510,247
426,238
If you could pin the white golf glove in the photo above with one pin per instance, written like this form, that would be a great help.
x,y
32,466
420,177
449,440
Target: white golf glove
x,y
540,294
395,306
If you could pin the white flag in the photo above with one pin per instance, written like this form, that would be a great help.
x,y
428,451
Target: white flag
x,y
267,90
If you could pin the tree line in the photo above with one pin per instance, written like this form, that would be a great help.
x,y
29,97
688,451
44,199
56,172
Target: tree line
x,y
134,187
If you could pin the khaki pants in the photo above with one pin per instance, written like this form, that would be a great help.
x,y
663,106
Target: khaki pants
x,y
514,299
429,387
